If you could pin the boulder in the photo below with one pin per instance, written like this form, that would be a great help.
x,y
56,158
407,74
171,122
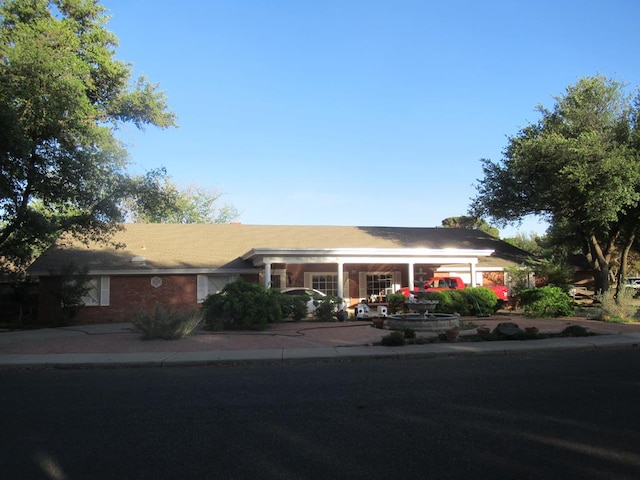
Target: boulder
x,y
508,330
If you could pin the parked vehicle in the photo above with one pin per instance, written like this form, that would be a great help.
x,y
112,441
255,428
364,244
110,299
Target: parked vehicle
x,y
632,282
313,294
453,283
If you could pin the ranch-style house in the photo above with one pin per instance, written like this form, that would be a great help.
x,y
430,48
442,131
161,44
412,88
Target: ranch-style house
x,y
179,265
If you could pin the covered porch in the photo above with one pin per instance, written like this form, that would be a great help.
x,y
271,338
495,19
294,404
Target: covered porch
x,y
354,274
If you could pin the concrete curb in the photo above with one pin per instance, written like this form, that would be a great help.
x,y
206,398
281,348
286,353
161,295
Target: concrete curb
x,y
168,359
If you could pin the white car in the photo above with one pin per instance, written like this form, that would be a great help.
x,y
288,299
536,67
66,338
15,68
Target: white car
x,y
313,294
632,282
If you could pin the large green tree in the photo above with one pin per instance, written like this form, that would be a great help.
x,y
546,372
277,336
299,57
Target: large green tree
x,y
193,204
62,96
578,167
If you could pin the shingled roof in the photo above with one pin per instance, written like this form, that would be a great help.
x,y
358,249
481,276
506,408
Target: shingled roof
x,y
200,246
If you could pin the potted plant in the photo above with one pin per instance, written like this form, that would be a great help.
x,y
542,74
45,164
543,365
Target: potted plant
x,y
452,334
483,331
531,331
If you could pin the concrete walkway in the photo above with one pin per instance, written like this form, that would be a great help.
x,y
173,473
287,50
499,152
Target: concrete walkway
x,y
118,345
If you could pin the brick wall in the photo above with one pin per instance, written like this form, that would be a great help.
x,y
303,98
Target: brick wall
x,y
127,295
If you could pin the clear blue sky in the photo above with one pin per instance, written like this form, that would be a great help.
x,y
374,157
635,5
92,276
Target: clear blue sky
x,y
356,112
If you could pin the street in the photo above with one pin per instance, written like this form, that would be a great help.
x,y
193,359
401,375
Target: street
x,y
561,415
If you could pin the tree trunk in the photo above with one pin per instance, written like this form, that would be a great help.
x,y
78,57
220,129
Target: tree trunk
x,y
601,266
624,257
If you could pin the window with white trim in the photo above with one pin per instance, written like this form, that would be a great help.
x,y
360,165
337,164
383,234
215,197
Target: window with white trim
x,y
375,286
326,283
208,284
97,293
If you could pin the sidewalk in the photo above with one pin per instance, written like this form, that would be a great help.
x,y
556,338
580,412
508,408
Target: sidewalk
x,y
117,345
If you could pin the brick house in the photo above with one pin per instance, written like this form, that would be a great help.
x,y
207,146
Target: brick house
x,y
179,265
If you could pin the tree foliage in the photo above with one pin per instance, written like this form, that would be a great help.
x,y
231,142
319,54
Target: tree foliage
x,y
62,95
578,167
191,205
470,223
531,242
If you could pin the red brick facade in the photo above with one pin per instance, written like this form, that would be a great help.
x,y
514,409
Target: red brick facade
x,y
127,294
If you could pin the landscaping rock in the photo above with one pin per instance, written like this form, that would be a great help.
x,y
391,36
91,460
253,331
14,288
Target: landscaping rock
x,y
508,330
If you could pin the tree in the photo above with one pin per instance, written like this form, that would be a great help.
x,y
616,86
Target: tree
x,y
62,95
531,242
578,167
470,223
191,205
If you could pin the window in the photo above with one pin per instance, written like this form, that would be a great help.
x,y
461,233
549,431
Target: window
x,y
375,286
276,281
95,292
325,283
92,297
378,283
208,284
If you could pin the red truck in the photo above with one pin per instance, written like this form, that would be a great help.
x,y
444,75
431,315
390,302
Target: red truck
x,y
453,283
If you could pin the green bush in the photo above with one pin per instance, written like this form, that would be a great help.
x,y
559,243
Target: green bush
x,y
546,302
480,301
294,306
575,331
449,301
394,339
242,304
621,308
466,302
396,302
166,324
326,308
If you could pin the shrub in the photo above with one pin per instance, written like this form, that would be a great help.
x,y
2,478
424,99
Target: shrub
x,y
326,308
242,304
546,302
449,301
166,324
575,331
396,302
394,339
409,333
467,301
480,301
621,307
294,306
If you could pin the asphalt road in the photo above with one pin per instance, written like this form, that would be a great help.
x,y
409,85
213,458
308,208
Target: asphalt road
x,y
546,416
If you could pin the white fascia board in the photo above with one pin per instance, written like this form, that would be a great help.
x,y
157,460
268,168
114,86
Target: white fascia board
x,y
367,252
260,261
260,256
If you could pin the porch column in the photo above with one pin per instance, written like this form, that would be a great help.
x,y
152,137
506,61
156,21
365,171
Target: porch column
x,y
473,272
341,281
411,279
267,275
